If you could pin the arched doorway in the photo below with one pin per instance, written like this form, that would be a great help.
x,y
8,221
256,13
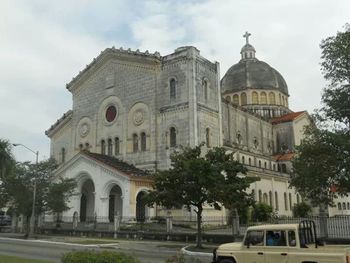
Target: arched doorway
x,y
87,201
140,207
115,203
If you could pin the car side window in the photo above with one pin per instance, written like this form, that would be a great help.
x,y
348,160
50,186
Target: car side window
x,y
276,238
291,238
254,238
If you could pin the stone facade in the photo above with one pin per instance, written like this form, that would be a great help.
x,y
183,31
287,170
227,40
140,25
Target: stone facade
x,y
139,107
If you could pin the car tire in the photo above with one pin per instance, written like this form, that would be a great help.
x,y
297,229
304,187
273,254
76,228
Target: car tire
x,y
226,260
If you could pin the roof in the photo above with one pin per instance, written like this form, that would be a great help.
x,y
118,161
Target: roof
x,y
117,164
283,157
287,118
61,121
275,227
253,74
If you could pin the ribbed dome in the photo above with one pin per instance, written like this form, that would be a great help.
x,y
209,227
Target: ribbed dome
x,y
254,74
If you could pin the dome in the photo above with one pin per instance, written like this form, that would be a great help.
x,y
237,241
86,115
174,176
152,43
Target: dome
x,y
252,73
255,74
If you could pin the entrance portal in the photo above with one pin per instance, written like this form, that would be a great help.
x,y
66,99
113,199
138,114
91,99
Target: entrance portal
x,y
87,201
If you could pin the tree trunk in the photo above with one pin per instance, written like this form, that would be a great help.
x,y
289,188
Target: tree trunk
x,y
199,227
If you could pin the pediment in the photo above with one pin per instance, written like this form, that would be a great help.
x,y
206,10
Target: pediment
x,y
145,59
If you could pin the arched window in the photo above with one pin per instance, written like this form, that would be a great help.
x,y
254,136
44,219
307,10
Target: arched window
x,y
255,98
235,100
348,205
265,201
243,160
143,141
272,98
253,194
135,143
228,98
285,202
207,137
249,161
265,165
339,206
172,88
172,137
344,206
103,147
63,155
283,103
205,89
87,146
284,168
270,199
243,98
116,146
290,201
260,196
259,164
276,200
263,98
280,99
109,148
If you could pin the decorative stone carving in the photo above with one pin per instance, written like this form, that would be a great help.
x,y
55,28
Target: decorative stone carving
x,y
84,129
138,117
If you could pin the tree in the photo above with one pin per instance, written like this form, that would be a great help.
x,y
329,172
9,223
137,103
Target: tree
x,y
51,192
7,161
262,212
301,210
322,162
195,180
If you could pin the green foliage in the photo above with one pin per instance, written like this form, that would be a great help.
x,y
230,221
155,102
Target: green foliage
x,y
322,162
196,179
301,210
97,257
262,212
7,161
336,57
51,193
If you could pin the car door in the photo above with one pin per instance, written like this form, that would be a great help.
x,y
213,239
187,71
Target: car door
x,y
253,248
276,249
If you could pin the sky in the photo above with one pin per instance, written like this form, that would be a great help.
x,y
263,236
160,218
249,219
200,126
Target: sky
x,y
44,44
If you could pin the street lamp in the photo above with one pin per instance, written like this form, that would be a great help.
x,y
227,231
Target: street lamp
x,y
32,218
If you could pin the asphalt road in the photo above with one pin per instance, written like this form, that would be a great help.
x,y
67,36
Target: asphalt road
x,y
147,252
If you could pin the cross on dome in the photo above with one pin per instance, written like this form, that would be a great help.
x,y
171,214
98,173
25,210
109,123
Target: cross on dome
x,y
247,35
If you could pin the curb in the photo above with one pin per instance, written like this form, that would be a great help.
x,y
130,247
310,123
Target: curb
x,y
191,253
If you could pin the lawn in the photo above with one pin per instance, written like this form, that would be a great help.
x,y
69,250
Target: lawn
x,y
8,259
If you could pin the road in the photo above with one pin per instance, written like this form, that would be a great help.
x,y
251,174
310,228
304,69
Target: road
x,y
147,252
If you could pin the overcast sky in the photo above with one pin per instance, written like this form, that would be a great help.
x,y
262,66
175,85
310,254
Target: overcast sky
x,y
44,44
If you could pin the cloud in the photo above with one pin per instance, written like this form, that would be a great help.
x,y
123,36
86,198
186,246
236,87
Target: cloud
x,y
44,44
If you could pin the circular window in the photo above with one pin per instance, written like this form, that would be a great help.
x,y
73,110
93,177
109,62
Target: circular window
x,y
111,113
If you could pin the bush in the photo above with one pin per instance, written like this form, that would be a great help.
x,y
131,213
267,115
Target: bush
x,y
301,210
97,257
262,212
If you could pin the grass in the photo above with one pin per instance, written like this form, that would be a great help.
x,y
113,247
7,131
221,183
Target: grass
x,y
90,242
9,259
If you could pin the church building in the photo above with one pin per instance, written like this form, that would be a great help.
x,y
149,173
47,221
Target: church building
x,y
132,109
